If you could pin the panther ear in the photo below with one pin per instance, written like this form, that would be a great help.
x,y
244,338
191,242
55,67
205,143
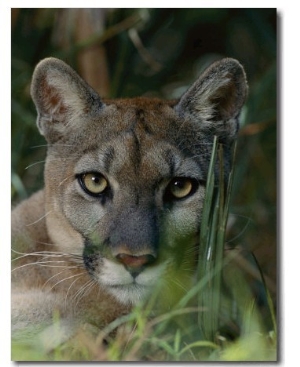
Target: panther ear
x,y
216,98
60,95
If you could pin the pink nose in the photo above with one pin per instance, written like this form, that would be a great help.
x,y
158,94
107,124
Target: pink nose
x,y
135,262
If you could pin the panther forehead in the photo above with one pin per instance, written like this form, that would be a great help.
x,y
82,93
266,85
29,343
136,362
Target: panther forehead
x,y
130,158
138,116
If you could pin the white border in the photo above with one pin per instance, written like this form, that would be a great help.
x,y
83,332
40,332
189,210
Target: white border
x,y
289,119
5,72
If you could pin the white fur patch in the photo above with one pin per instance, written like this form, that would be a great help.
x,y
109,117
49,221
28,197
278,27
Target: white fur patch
x,y
128,290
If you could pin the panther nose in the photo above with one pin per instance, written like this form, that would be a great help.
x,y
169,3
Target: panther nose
x,y
135,264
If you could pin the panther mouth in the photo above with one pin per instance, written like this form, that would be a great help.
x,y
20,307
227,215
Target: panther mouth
x,y
125,286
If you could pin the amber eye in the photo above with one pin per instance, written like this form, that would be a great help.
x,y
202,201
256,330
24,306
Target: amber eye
x,y
93,183
181,187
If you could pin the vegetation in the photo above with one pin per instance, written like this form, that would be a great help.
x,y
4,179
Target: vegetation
x,y
159,52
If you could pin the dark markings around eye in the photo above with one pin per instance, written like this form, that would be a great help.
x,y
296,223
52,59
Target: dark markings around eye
x,y
171,161
108,158
94,184
180,188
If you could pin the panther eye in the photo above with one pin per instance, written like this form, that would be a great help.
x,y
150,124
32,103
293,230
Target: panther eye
x,y
93,183
181,187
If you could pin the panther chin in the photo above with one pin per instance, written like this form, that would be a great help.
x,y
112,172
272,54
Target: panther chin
x,y
131,294
128,289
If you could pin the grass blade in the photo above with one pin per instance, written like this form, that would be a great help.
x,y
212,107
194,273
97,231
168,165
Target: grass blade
x,y
212,239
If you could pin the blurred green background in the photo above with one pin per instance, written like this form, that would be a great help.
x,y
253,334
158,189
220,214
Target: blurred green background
x,y
159,52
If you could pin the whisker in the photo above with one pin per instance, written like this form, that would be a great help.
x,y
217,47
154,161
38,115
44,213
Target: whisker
x,y
179,284
58,266
65,179
45,243
89,288
47,254
39,146
62,280
35,163
41,263
69,290
44,257
49,145
53,276
83,291
38,220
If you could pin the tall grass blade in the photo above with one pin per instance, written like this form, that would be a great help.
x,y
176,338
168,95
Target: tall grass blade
x,y
212,239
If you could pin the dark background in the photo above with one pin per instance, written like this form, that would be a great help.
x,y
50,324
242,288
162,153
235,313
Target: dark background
x,y
159,52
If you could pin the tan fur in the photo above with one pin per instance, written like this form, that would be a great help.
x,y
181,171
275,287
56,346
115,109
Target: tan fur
x,y
90,258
